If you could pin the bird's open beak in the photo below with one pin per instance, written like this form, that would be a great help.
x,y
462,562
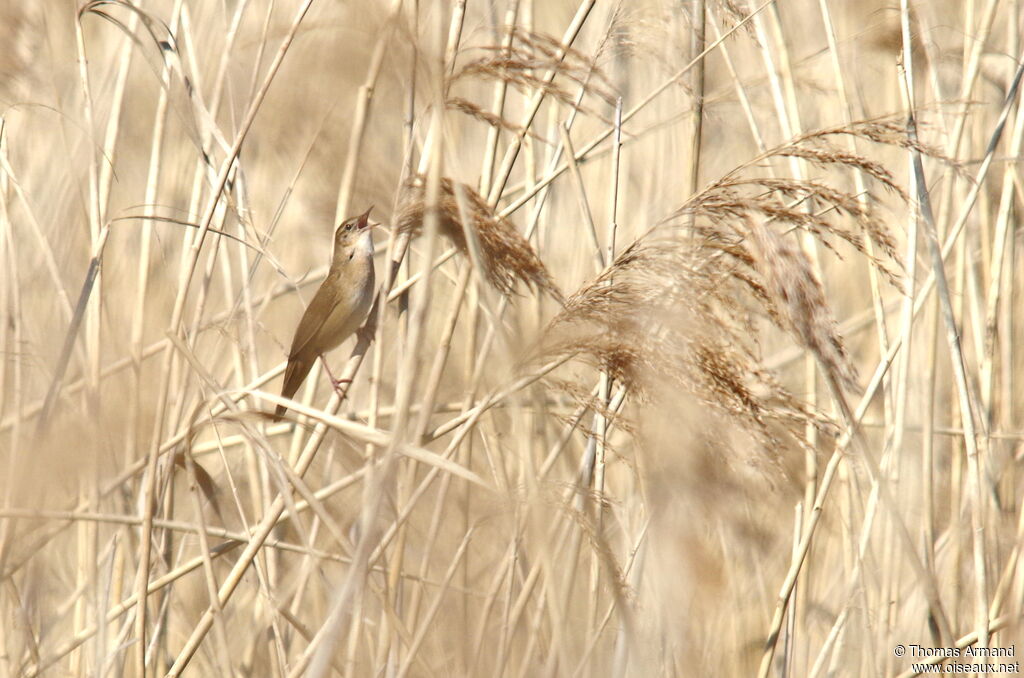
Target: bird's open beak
x,y
364,219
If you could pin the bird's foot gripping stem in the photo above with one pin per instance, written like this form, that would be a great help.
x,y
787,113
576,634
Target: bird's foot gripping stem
x,y
336,383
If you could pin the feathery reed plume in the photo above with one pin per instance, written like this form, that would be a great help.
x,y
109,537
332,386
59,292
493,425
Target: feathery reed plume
x,y
818,148
474,111
525,65
668,313
529,54
679,304
797,294
506,256
738,216
732,14
808,204
727,202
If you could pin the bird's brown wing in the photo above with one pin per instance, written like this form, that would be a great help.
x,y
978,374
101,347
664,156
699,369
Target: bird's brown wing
x,y
319,309
305,346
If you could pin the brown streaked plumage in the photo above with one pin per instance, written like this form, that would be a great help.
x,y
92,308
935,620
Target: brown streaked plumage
x,y
338,308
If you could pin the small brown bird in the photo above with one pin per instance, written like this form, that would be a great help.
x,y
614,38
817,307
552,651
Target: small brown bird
x,y
338,307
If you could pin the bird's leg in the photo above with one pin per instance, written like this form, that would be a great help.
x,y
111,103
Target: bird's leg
x,y
335,382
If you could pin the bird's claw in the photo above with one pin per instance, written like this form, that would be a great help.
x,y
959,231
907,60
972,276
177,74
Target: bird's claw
x,y
337,385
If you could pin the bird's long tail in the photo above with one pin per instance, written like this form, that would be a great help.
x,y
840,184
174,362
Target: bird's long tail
x,y
294,375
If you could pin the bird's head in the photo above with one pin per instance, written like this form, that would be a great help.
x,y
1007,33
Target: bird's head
x,y
353,234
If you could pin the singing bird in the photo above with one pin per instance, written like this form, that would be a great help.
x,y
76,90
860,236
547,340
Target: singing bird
x,y
338,307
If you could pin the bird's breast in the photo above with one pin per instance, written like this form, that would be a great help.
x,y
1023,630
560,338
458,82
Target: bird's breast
x,y
354,302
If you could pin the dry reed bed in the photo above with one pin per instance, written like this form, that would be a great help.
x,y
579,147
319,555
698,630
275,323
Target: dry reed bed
x,y
628,403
